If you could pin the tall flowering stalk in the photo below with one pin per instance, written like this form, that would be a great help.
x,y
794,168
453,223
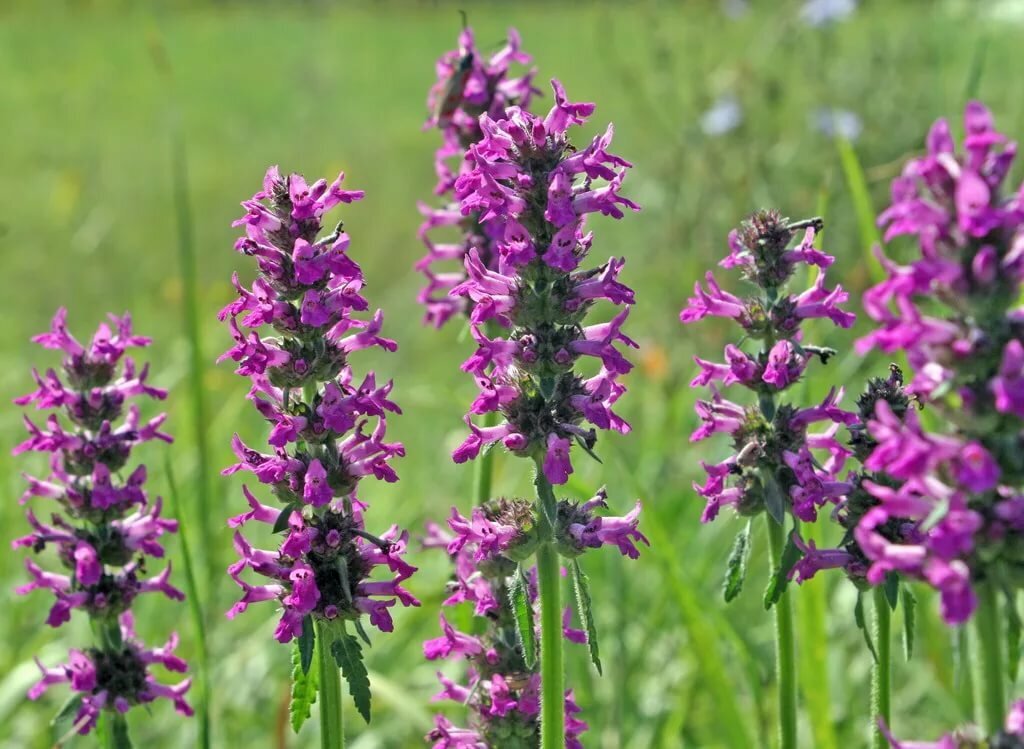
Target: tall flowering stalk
x,y
954,311
104,525
468,85
328,432
532,189
503,685
774,469
851,509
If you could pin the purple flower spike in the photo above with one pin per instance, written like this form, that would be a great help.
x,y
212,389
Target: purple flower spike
x,y
468,85
328,429
774,467
104,525
954,311
538,290
502,694
969,736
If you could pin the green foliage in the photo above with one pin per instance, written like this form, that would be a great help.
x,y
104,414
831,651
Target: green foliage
x,y
523,613
304,685
348,654
736,569
780,577
583,606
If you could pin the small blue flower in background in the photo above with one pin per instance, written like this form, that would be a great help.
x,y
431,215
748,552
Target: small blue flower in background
x,y
724,116
820,13
837,123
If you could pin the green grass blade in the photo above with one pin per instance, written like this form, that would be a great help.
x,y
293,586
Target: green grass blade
x,y
202,680
705,646
857,184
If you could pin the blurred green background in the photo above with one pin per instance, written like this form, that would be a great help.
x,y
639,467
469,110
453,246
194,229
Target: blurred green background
x,y
90,96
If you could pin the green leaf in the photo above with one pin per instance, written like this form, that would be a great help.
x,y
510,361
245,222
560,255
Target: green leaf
x,y
67,712
362,633
304,685
892,589
780,577
583,604
736,568
858,617
306,642
774,497
281,524
1013,628
857,184
349,657
909,603
522,611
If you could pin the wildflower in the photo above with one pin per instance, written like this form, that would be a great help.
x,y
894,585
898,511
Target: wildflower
x,y
328,429
468,85
104,526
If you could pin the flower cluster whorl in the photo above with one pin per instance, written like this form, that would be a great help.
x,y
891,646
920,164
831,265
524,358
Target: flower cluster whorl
x,y
328,431
532,189
468,85
502,693
106,526
953,311
1011,736
773,467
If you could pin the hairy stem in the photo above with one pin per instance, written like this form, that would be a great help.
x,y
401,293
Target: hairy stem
x,y
881,673
332,732
989,680
785,655
552,669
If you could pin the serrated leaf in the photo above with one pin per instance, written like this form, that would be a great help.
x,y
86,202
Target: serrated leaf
x,y
583,605
304,686
522,612
281,524
306,642
780,577
774,497
909,603
736,568
349,657
1013,631
858,618
362,633
892,590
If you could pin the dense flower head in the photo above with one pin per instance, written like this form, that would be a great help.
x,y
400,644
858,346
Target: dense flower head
x,y
468,85
970,736
534,190
104,524
502,694
858,501
116,678
328,428
954,311
776,465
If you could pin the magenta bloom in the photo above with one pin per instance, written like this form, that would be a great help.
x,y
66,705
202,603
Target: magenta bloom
x,y
103,524
501,693
468,85
537,293
954,311
779,465
328,429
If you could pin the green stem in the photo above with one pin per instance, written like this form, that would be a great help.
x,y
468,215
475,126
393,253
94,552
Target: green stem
x,y
881,673
989,680
552,670
484,469
785,655
332,732
114,731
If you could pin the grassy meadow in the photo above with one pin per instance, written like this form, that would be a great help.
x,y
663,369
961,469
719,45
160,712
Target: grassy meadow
x,y
93,98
